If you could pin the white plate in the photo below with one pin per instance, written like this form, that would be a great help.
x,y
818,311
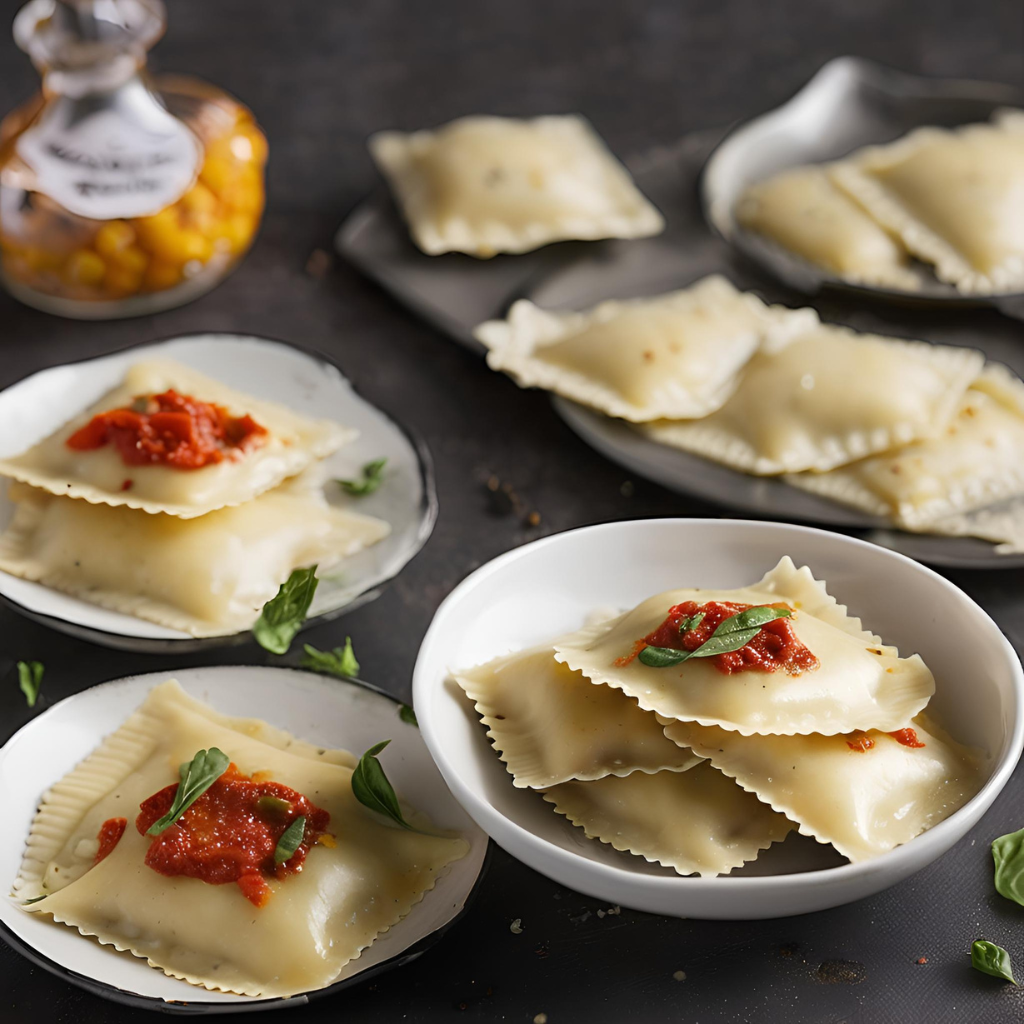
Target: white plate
x,y
548,587
323,710
37,405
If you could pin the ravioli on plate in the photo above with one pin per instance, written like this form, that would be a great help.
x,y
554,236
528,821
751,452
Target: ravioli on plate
x,y
267,883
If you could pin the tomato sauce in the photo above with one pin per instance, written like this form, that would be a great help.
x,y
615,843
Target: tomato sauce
x,y
172,430
775,647
861,741
230,833
908,737
109,836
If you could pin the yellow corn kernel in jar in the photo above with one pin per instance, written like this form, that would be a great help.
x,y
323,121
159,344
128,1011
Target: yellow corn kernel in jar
x,y
112,237
163,236
120,282
236,232
160,275
132,259
249,145
245,193
84,267
199,200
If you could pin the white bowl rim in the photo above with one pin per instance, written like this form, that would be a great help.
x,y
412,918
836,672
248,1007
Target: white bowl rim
x,y
479,808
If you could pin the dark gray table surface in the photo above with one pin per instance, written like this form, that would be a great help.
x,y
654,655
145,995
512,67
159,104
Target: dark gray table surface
x,y
321,76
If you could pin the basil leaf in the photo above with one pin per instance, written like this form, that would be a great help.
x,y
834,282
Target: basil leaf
x,y
283,615
291,839
339,662
1008,854
407,715
692,622
371,787
35,899
196,778
373,474
30,678
989,958
663,657
723,644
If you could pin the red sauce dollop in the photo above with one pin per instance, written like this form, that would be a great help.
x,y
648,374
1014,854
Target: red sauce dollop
x,y
170,429
860,742
908,737
230,833
109,836
775,647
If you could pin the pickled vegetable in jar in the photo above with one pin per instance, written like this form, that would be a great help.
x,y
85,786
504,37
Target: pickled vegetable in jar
x,y
120,194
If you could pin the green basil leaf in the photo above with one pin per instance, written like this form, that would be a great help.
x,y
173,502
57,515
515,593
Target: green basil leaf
x,y
407,715
1008,854
371,787
663,657
196,778
692,622
373,474
35,899
291,839
731,641
339,662
751,618
30,678
283,615
989,958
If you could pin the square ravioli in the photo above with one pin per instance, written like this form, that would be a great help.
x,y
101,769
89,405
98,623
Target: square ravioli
x,y
208,576
955,198
977,460
550,724
825,397
170,439
232,924
804,212
863,792
675,355
697,822
814,671
483,185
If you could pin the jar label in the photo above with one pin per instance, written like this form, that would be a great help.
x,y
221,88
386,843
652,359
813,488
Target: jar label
x,y
124,157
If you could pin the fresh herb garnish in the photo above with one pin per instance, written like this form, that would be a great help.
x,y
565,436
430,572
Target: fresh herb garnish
x,y
291,839
371,787
407,715
197,776
373,474
691,623
35,899
730,635
339,662
1008,854
989,958
30,678
283,615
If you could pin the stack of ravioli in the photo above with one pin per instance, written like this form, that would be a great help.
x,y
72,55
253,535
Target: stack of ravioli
x,y
699,770
949,199
197,550
927,437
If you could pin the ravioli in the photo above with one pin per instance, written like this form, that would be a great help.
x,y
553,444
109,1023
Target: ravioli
x,y
859,682
550,724
100,476
208,576
697,821
865,793
977,460
804,212
675,355
367,879
955,198
827,397
484,185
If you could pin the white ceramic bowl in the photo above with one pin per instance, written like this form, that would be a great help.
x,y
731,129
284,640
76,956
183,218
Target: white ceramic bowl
x,y
548,587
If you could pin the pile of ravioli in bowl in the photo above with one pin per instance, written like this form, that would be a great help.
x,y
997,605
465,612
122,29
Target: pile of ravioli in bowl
x,y
179,500
928,437
702,726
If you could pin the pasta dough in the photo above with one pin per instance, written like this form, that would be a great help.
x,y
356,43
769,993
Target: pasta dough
x,y
208,576
484,185
860,683
862,801
697,822
99,475
977,460
804,212
826,397
315,921
956,198
674,355
550,724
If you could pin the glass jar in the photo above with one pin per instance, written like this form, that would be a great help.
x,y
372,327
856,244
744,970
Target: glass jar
x,y
120,195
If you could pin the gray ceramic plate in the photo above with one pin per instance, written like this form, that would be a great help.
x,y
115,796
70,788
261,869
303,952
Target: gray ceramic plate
x,y
849,103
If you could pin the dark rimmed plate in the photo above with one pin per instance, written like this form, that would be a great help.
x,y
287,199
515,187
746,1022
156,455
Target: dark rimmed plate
x,y
338,713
